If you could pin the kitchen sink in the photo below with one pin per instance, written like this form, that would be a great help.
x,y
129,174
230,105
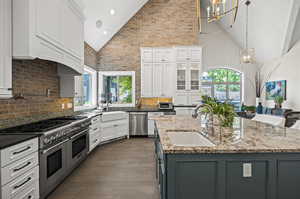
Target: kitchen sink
x,y
189,139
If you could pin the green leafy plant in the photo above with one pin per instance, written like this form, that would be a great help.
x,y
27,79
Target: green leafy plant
x,y
279,100
224,111
250,108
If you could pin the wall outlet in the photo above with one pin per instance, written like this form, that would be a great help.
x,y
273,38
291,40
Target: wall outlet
x,y
62,106
247,170
69,105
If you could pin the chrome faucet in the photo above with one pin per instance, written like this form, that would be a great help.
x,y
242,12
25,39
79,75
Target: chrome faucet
x,y
196,110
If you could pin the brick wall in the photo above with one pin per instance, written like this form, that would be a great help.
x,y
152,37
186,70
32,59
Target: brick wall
x,y
33,78
159,23
90,56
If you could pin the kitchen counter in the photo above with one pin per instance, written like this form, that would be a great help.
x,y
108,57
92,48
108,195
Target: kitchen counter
x,y
248,137
10,140
134,109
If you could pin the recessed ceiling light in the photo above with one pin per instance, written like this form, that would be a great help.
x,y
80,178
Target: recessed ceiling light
x,y
99,24
105,32
112,12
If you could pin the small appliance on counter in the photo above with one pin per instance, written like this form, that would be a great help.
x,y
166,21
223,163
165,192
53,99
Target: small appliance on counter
x,y
166,106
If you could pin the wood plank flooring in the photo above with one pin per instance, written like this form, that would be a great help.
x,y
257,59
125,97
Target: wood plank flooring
x,y
121,170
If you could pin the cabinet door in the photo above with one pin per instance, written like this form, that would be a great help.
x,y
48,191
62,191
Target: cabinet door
x,y
181,77
182,54
163,55
147,55
147,80
168,81
244,177
196,54
5,49
157,79
181,99
195,98
72,30
49,21
78,90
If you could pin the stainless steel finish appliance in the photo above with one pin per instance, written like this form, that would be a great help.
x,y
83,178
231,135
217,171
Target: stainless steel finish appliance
x,y
63,144
138,124
166,106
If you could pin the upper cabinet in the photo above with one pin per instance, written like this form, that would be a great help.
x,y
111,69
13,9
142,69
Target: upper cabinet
x,y
157,72
49,29
5,49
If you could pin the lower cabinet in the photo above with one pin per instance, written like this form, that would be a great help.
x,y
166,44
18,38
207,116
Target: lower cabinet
x,y
228,176
114,129
20,171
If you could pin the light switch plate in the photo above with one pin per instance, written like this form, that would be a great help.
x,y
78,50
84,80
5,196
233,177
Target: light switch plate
x,y
247,170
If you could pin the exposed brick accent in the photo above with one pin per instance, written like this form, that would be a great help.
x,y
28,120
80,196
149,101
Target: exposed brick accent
x,y
159,23
90,56
33,78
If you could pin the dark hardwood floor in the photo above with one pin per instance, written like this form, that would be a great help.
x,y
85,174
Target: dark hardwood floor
x,y
121,170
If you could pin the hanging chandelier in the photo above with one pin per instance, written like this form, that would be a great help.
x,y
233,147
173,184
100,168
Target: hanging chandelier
x,y
216,10
247,54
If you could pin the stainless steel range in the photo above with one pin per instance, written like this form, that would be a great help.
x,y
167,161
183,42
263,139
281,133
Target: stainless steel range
x,y
63,144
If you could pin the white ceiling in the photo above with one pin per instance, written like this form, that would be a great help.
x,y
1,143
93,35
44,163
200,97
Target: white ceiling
x,y
100,10
269,25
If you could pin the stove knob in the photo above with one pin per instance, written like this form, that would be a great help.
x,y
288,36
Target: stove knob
x,y
46,141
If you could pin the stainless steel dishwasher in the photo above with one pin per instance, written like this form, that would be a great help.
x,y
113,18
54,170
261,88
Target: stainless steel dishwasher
x,y
138,124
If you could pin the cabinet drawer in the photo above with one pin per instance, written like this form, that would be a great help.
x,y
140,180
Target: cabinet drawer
x,y
32,192
95,129
18,168
18,151
19,185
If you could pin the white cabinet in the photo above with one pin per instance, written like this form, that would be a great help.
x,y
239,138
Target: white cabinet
x,y
147,80
186,111
157,72
50,30
5,49
114,125
188,75
95,133
20,171
151,122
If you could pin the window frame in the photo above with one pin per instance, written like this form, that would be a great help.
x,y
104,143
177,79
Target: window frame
x,y
116,73
94,89
226,83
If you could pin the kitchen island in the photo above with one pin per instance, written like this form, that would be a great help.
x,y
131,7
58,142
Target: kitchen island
x,y
255,161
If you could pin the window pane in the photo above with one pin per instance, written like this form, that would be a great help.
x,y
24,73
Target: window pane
x,y
206,90
235,93
118,89
87,89
125,89
234,76
220,92
218,75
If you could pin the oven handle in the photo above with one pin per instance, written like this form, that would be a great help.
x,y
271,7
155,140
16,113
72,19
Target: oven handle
x,y
79,134
55,146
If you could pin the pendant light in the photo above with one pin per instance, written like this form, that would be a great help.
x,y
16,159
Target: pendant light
x,y
247,54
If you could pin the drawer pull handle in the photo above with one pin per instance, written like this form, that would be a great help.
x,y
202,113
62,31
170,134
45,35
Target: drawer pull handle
x,y
21,151
20,185
116,125
22,167
95,129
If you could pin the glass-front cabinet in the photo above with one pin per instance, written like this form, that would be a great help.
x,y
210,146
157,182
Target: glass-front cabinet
x,y
188,77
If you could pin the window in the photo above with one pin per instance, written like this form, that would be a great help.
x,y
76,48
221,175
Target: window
x,y
223,84
117,88
86,89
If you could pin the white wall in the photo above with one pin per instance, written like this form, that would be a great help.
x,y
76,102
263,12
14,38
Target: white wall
x,y
219,50
289,70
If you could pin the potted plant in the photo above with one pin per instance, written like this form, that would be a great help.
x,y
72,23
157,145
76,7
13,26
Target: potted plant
x,y
222,112
278,102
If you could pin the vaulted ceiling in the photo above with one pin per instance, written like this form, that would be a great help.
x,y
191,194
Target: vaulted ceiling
x,y
112,21
273,26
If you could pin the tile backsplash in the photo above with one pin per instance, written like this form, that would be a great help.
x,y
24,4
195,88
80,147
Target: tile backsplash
x,y
32,78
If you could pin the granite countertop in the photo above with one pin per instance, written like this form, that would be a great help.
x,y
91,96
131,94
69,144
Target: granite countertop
x,y
248,137
10,140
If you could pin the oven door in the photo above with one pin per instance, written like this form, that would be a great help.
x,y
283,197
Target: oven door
x,y
78,146
53,167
